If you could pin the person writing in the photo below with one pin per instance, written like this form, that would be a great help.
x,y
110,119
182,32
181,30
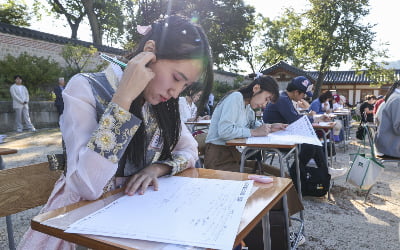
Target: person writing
x,y
124,128
367,108
187,104
234,117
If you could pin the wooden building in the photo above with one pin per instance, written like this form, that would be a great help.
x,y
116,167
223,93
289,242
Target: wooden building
x,y
347,83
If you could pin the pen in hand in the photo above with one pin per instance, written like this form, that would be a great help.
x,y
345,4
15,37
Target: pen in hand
x,y
113,60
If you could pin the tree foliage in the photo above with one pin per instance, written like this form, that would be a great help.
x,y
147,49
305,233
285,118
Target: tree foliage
x,y
227,24
334,33
38,73
328,34
78,58
72,10
15,13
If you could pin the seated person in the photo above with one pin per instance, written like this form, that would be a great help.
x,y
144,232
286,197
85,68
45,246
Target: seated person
x,y
321,104
187,104
387,140
283,111
337,103
367,109
234,117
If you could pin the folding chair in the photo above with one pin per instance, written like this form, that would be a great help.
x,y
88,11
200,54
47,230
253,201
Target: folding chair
x,y
23,188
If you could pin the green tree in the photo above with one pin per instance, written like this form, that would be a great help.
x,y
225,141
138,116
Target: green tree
x,y
277,40
226,24
334,33
39,74
73,12
15,13
78,58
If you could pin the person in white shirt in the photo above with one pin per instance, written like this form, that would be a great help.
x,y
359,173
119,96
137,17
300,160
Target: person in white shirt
x,y
187,104
20,96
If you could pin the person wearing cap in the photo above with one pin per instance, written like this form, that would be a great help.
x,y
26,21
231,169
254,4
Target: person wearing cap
x,y
337,103
283,111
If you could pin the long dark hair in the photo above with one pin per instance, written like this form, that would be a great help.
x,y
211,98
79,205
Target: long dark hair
x,y
266,82
391,90
176,38
325,96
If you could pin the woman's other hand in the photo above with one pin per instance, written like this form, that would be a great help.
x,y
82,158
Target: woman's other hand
x,y
134,80
206,117
145,178
263,130
278,126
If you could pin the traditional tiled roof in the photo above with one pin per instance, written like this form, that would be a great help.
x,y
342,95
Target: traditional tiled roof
x,y
347,77
34,34
222,72
287,67
332,77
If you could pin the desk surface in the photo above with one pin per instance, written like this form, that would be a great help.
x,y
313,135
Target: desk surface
x,y
242,142
258,204
329,126
201,122
7,151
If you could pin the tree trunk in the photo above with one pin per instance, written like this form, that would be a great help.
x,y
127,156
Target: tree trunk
x,y
94,23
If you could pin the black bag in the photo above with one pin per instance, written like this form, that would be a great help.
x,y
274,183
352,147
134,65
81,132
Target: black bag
x,y
314,181
360,133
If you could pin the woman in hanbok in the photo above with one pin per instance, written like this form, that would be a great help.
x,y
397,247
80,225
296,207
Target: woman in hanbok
x,y
122,128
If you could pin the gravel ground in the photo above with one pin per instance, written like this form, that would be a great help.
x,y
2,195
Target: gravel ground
x,y
345,222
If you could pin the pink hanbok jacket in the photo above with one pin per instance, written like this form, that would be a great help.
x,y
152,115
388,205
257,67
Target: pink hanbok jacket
x,y
96,133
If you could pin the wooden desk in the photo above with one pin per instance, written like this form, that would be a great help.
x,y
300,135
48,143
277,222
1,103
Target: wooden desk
x,y
196,124
10,231
277,148
256,209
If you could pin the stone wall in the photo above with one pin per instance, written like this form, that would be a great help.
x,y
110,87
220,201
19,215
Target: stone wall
x,y
43,115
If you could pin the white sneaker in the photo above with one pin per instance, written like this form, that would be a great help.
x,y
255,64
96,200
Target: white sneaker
x,y
293,236
337,172
32,130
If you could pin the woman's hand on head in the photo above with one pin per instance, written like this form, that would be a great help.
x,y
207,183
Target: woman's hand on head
x,y
263,130
135,79
278,126
145,178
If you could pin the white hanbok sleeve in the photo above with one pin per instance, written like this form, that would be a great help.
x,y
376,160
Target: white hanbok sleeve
x,y
93,149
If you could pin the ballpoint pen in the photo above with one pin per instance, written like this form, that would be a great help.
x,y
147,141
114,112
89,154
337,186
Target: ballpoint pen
x,y
113,60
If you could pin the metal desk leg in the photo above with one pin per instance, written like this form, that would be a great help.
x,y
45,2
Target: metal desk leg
x,y
10,231
266,232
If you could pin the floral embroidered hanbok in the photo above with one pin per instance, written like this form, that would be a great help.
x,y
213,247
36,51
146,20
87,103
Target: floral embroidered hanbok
x,y
96,133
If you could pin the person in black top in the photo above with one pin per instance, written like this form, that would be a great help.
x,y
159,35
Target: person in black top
x,y
367,109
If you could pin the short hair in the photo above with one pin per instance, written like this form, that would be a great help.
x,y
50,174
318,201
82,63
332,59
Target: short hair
x,y
17,76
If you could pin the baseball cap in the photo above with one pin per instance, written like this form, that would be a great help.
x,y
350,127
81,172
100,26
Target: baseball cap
x,y
302,84
337,98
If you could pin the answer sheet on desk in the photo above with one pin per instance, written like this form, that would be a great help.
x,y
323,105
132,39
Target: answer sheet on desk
x,y
186,211
300,131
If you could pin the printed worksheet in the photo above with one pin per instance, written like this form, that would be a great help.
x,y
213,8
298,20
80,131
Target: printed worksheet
x,y
185,211
300,131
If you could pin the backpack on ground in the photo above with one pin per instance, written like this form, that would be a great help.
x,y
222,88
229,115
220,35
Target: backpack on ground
x,y
315,181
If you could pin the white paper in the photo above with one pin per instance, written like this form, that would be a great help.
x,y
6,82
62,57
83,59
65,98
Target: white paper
x,y
186,211
300,131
